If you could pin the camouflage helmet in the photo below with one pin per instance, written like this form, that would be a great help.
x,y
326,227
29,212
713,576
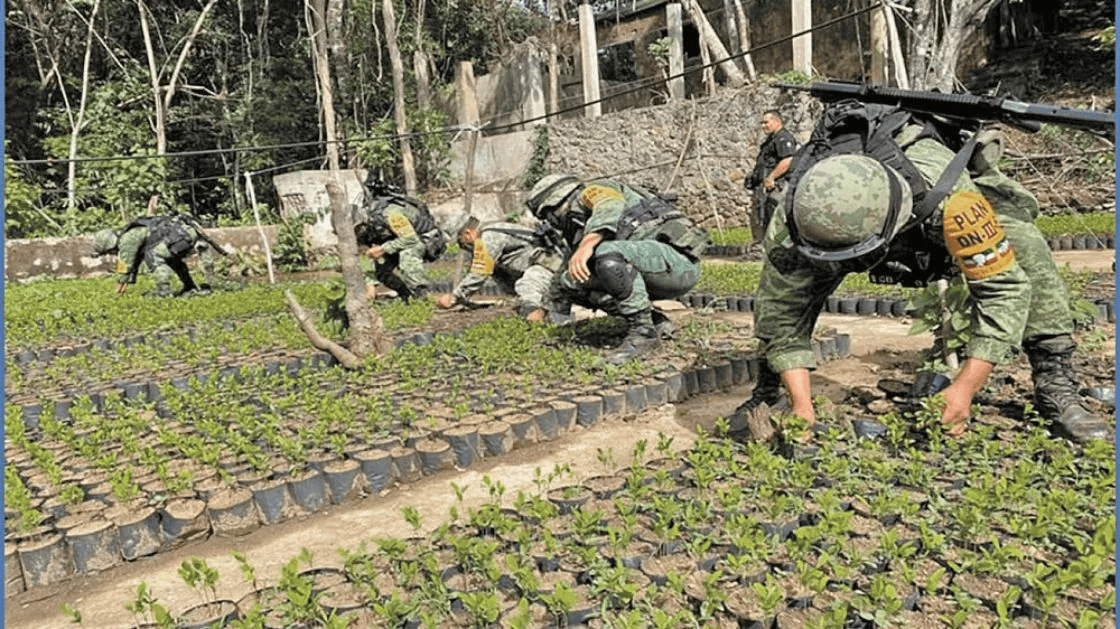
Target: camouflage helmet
x,y
104,241
549,192
844,200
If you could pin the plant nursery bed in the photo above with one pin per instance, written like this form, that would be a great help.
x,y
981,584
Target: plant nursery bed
x,y
487,470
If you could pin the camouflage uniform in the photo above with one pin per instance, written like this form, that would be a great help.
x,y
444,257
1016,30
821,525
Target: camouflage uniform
x,y
1019,299
394,231
136,245
628,273
663,271
510,254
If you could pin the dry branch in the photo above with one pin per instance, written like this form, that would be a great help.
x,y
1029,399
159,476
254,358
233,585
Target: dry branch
x,y
344,356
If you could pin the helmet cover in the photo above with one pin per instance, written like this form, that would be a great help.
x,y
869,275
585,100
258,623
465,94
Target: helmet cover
x,y
845,199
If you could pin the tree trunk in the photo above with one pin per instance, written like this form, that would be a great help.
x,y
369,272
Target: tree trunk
x,y
420,62
407,164
153,76
163,95
938,36
318,9
366,328
709,39
77,120
744,31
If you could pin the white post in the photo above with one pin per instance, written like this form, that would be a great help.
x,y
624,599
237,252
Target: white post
x,y
802,46
676,50
589,55
257,215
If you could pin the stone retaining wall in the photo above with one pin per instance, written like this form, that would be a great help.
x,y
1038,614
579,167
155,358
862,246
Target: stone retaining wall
x,y
715,140
70,257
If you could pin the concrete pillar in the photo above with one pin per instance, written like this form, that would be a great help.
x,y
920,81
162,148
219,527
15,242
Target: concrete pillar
x,y
466,98
589,56
676,49
533,105
802,46
878,47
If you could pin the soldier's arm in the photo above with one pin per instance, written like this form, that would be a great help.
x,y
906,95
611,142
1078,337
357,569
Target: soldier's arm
x,y
128,257
999,287
779,169
482,267
406,236
606,203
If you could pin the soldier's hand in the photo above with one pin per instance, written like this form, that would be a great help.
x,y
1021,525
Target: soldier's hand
x,y
535,316
577,264
375,252
958,404
445,301
121,287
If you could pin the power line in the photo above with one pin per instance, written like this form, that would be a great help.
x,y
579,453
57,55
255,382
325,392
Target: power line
x,y
638,85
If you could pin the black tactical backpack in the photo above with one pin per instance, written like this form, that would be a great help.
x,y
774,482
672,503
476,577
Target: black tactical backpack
x,y
178,231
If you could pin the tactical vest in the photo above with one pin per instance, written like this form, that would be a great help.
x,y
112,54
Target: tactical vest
x,y
376,230
917,254
656,218
176,230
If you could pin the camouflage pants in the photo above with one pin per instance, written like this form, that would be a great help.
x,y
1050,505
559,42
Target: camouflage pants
x,y
532,286
411,264
662,273
1049,313
163,266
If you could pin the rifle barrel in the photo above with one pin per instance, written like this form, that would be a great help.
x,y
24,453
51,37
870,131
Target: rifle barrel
x,y
968,106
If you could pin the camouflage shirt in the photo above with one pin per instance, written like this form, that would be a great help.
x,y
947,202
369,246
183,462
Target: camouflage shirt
x,y
503,249
395,232
790,302
130,252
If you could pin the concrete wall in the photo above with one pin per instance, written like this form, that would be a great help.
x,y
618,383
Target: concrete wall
x,y
305,192
499,160
73,257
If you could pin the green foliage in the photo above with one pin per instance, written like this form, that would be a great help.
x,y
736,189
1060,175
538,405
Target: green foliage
x,y
1105,39
730,236
290,254
538,162
1080,223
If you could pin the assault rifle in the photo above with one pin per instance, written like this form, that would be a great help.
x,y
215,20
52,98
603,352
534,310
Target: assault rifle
x,y
189,218
1026,116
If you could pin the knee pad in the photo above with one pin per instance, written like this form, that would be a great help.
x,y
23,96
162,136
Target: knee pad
x,y
615,274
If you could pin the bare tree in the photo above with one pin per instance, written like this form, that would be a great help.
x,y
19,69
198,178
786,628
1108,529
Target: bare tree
x,y
76,119
710,40
163,94
407,163
938,31
366,335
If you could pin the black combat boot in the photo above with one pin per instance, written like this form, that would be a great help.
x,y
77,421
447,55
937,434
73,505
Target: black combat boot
x,y
397,285
767,390
663,324
1056,390
641,337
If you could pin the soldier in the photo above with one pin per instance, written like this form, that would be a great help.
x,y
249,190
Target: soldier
x,y
399,232
846,212
770,168
514,256
162,243
629,246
